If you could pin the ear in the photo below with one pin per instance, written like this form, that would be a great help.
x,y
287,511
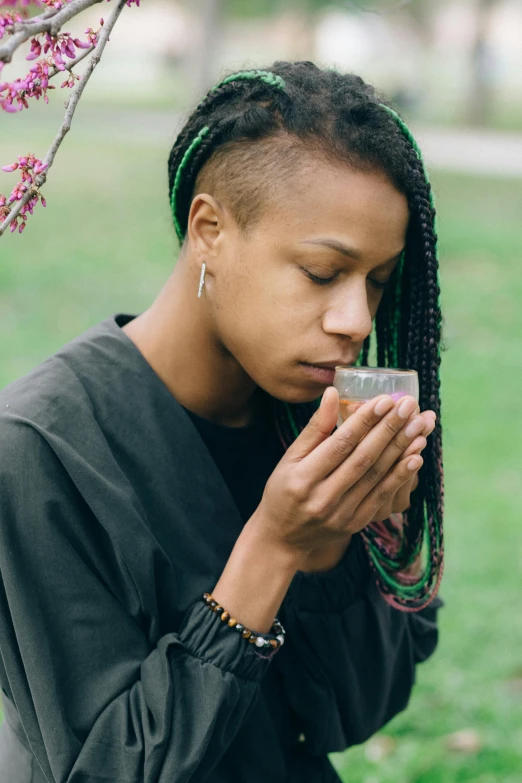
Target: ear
x,y
205,224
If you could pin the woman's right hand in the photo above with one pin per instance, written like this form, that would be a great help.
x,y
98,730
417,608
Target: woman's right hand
x,y
329,485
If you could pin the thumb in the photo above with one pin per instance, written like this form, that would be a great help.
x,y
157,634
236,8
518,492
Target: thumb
x,y
319,427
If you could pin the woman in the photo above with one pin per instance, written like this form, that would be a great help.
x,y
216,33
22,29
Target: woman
x,y
163,466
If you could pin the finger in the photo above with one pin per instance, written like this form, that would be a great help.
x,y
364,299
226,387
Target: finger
x,y
385,490
430,421
318,429
416,447
367,467
401,502
398,448
402,499
328,455
383,513
420,443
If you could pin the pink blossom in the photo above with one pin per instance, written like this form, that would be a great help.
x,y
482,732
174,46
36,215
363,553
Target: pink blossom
x,y
36,49
35,85
39,167
23,3
81,45
63,45
30,166
92,36
4,209
13,95
55,3
8,20
70,81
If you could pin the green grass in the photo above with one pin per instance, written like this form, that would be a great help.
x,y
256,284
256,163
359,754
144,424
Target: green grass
x,y
105,244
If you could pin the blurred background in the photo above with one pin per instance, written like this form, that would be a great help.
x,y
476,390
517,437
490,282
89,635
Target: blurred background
x,y
106,244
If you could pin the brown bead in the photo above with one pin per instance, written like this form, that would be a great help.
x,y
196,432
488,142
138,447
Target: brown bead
x,y
232,622
273,642
218,608
252,640
246,633
225,616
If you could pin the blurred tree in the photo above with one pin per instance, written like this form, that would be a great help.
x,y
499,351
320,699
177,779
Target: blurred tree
x,y
207,33
210,17
482,66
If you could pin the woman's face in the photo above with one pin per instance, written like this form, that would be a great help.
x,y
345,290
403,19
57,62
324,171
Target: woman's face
x,y
345,227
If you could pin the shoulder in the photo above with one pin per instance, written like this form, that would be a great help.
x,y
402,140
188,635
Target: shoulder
x,y
58,397
55,385
46,417
34,397
36,412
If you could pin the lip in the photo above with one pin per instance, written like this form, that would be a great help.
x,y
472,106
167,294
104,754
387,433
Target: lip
x,y
330,365
321,373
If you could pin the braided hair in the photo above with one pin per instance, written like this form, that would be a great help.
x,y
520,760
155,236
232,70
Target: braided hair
x,y
248,133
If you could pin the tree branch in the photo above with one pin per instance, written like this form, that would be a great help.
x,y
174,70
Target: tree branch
x,y
71,104
46,23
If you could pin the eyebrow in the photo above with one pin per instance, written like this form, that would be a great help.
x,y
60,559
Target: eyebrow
x,y
350,252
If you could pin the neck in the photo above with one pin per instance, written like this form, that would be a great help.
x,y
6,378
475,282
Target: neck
x,y
176,338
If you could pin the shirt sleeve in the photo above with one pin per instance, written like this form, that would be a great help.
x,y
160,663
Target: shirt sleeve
x,y
349,659
95,699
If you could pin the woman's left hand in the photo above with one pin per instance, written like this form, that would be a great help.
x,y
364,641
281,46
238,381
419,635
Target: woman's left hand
x,y
401,501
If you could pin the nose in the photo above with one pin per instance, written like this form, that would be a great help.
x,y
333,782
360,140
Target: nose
x,y
349,314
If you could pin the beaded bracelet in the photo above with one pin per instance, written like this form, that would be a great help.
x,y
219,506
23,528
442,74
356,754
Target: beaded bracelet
x,y
252,636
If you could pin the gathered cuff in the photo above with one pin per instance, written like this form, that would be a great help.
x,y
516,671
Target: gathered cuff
x,y
204,635
336,589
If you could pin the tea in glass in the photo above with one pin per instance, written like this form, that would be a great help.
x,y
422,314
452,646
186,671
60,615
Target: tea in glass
x,y
357,385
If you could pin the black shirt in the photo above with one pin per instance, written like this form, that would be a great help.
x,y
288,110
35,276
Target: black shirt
x,y
245,456
114,521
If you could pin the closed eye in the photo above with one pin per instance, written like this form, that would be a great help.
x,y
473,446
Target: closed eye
x,y
319,280
325,280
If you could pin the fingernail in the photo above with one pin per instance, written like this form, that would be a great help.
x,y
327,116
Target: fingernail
x,y
422,444
415,427
406,408
415,463
383,406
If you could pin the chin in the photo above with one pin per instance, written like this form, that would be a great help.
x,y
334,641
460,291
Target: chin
x,y
293,394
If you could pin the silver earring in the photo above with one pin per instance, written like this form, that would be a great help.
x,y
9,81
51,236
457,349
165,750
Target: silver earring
x,y
202,279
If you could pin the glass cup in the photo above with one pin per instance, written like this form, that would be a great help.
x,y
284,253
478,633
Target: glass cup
x,y
357,385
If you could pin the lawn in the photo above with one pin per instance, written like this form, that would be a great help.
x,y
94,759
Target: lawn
x,y
106,244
